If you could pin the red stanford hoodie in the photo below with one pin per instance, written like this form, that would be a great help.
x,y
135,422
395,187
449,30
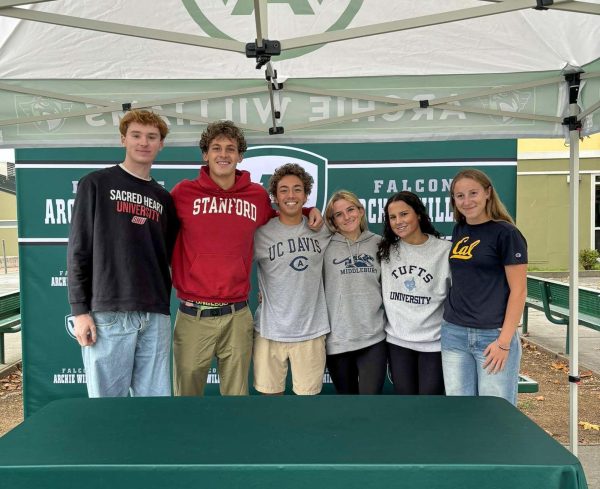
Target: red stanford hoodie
x,y
212,259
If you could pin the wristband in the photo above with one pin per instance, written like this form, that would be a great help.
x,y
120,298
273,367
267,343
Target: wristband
x,y
501,347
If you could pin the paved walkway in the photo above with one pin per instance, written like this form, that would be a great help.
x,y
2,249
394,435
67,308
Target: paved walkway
x,y
541,332
12,342
551,337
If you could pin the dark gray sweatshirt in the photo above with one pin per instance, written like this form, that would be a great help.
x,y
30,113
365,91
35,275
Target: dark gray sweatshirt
x,y
122,235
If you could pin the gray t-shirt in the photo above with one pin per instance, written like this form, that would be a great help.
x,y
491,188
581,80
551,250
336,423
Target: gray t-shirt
x,y
290,264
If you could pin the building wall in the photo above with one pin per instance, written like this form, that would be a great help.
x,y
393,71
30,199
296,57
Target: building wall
x,y
8,212
543,198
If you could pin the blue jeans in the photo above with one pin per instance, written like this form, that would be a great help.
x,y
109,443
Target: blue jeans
x,y
462,361
131,355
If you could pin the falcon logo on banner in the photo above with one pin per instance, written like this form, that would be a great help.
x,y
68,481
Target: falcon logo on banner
x,y
261,162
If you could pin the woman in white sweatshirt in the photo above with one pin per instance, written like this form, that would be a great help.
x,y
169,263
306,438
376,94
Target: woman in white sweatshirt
x,y
415,278
356,351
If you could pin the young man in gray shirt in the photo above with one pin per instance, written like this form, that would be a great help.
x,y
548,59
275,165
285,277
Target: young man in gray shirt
x,y
291,322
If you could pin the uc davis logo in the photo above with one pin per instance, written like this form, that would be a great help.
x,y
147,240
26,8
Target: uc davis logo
x,y
300,263
230,19
261,162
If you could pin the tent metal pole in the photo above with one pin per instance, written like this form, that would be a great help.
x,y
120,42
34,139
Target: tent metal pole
x,y
290,85
197,118
273,87
14,3
124,29
407,24
579,7
589,110
575,6
262,22
574,126
414,105
103,103
50,94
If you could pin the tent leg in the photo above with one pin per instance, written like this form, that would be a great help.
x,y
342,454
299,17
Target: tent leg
x,y
574,125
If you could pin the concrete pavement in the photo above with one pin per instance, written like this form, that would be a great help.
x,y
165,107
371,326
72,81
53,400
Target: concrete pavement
x,y
12,342
551,337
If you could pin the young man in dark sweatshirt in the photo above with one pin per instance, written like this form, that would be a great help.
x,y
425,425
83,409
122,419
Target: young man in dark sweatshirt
x,y
123,230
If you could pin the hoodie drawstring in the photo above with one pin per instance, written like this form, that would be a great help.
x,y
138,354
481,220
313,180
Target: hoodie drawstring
x,y
350,250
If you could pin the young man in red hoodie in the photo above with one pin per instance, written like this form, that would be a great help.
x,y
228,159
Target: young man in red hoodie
x,y
219,212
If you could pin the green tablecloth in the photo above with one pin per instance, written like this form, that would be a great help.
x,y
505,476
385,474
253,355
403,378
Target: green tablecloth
x,y
287,442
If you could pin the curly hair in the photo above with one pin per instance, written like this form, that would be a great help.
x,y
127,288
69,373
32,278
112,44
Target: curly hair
x,y
350,197
389,237
145,118
494,207
223,128
290,169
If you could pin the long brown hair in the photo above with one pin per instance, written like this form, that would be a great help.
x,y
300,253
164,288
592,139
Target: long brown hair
x,y
493,207
389,237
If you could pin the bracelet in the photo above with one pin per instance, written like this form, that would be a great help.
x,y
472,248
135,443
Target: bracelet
x,y
501,347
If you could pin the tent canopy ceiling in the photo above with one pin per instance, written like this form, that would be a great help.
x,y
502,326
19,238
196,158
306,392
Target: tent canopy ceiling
x,y
352,68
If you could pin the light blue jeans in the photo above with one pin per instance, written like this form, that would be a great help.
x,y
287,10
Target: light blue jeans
x,y
462,362
131,355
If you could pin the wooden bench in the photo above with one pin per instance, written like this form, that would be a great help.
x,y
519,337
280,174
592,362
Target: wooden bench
x,y
552,298
10,317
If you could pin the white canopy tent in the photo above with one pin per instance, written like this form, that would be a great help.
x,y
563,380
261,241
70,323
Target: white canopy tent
x,y
348,70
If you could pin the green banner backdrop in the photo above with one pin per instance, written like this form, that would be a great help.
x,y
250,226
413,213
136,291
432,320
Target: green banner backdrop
x,y
47,184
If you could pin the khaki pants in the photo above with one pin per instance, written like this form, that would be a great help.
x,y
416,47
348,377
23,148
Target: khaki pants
x,y
197,340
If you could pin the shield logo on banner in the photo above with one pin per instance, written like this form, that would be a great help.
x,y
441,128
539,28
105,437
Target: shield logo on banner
x,y
70,325
220,18
515,101
261,162
40,106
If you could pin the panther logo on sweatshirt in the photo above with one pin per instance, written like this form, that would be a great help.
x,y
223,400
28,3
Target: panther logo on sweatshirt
x,y
360,261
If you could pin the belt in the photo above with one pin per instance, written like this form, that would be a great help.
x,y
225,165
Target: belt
x,y
212,312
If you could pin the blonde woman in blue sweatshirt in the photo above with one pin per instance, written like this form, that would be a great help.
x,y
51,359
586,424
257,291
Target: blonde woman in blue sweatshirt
x,y
356,350
415,277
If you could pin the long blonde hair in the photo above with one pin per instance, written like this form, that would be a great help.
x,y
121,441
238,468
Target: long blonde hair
x,y
493,207
350,197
